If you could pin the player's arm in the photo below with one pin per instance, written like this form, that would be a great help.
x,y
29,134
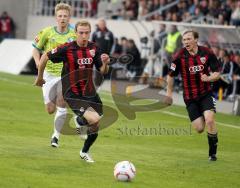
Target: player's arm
x,y
105,61
173,71
38,44
211,78
56,55
215,67
170,81
101,61
36,56
42,64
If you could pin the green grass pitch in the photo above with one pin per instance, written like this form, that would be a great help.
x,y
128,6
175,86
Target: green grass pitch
x,y
162,160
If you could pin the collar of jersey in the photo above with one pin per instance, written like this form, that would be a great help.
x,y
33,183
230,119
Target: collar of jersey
x,y
55,29
83,48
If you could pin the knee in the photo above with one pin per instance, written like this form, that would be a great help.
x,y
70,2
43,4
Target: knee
x,y
50,109
200,130
209,121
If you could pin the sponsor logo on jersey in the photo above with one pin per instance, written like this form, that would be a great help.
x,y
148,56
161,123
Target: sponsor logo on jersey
x,y
173,66
85,61
197,68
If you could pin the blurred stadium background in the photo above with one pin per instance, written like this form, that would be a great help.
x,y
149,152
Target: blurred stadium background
x,y
144,29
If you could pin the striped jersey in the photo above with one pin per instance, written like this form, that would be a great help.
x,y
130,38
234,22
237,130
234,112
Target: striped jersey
x,y
78,64
191,67
48,39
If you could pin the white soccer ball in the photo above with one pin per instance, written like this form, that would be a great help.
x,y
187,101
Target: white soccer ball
x,y
124,171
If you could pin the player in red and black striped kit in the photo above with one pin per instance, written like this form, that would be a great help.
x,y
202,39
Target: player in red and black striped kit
x,y
198,67
78,89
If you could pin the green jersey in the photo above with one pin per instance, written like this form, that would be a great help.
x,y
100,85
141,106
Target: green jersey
x,y
48,39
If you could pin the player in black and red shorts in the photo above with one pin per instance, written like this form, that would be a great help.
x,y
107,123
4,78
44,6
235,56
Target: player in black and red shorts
x,y
78,89
198,67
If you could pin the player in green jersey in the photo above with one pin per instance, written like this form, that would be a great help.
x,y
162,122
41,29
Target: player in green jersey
x,y
48,39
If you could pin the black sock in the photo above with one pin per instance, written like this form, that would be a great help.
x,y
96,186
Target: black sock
x,y
212,142
82,121
90,140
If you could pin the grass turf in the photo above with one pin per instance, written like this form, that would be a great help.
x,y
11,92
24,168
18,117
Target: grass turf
x,y
163,159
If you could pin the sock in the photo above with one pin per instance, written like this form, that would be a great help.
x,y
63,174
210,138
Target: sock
x,y
212,142
81,125
82,121
59,121
90,140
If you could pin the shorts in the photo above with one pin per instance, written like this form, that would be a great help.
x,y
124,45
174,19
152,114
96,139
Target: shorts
x,y
51,88
79,104
196,108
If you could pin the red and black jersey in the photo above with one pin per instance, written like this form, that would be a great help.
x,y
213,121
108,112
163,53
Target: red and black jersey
x,y
77,72
191,67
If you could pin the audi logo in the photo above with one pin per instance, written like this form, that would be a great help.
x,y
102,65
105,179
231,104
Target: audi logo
x,y
197,68
85,61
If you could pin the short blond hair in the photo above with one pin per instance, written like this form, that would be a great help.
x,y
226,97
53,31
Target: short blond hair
x,y
63,6
82,23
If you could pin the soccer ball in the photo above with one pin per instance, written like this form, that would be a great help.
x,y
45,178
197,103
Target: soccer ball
x,y
124,171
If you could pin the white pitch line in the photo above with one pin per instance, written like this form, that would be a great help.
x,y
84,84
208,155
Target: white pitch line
x,y
15,82
184,116
107,93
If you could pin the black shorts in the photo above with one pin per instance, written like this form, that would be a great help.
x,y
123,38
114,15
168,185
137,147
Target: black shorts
x,y
196,108
79,104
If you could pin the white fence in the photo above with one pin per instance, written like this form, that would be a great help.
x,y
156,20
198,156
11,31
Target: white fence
x,y
80,8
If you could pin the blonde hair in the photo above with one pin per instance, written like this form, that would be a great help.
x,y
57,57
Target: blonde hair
x,y
63,6
82,23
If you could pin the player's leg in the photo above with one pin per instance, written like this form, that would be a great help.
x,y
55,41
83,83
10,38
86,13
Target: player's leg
x,y
208,107
51,93
93,115
196,117
93,119
199,124
60,115
88,114
49,99
50,107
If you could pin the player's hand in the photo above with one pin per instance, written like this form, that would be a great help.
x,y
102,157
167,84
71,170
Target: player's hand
x,y
204,78
168,100
39,82
236,77
105,58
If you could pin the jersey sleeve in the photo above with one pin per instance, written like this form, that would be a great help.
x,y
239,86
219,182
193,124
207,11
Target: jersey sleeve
x,y
174,66
57,55
41,39
214,64
97,59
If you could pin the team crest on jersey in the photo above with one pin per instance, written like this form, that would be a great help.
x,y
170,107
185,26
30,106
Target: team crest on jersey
x,y
203,60
92,53
173,66
53,51
36,39
52,39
